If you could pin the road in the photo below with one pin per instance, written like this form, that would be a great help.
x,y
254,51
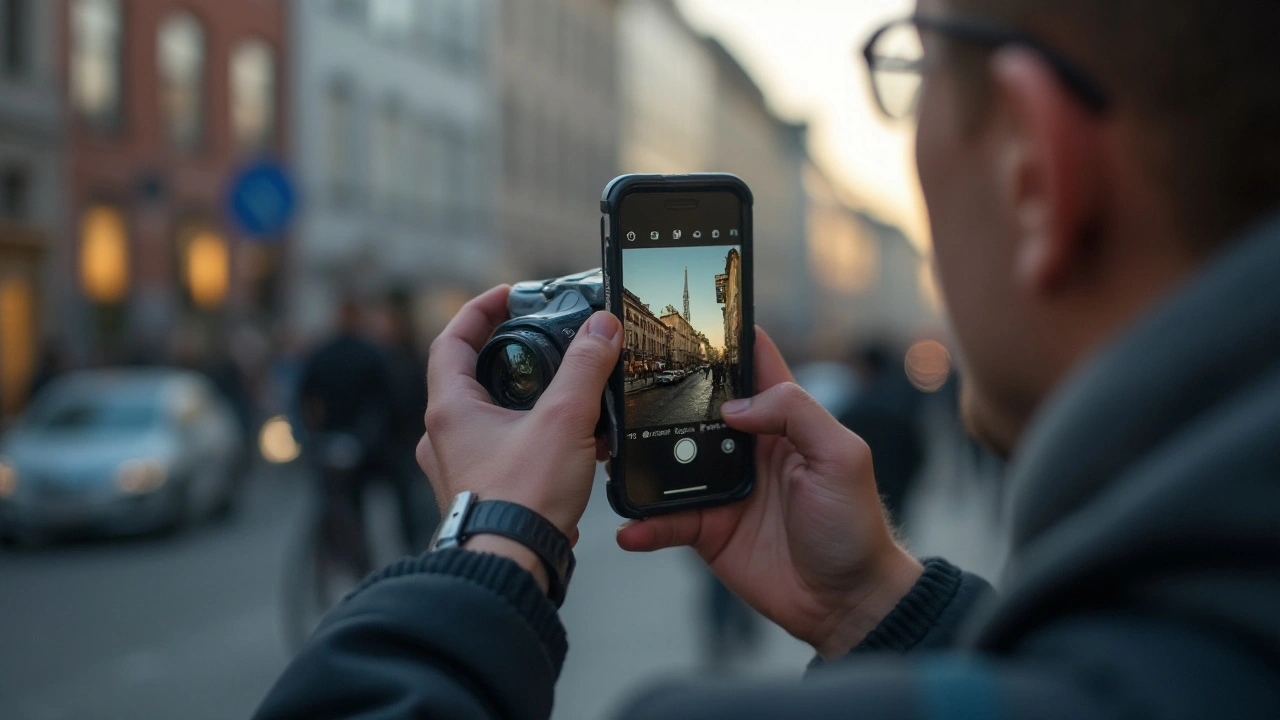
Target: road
x,y
188,627
690,400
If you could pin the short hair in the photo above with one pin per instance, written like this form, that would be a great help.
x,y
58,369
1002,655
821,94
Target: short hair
x,y
1202,75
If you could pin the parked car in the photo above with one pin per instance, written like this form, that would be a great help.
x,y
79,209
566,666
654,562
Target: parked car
x,y
119,452
669,377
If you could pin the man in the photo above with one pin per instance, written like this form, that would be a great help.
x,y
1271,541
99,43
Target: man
x,y
345,391
1102,183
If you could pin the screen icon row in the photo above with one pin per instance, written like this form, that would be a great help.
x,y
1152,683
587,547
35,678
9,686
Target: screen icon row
x,y
678,234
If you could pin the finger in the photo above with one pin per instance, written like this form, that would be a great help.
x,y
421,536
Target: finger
x,y
602,450
573,538
453,354
788,411
662,532
771,368
573,398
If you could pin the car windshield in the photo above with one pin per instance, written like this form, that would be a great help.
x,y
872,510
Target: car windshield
x,y
105,410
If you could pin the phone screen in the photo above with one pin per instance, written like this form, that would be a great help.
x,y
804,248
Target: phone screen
x,y
685,315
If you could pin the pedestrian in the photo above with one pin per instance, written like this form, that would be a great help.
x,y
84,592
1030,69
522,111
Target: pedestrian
x,y
345,392
886,415
406,376
1105,208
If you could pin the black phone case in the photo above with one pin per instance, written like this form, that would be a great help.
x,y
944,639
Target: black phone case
x,y
610,202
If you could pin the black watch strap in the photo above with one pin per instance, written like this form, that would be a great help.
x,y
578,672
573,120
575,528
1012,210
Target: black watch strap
x,y
519,523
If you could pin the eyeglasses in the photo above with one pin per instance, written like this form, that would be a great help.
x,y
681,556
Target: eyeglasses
x,y
896,61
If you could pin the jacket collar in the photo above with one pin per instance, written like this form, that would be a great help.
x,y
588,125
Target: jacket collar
x,y
1211,340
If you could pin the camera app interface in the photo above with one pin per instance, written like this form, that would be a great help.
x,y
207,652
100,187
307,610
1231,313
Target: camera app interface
x,y
682,270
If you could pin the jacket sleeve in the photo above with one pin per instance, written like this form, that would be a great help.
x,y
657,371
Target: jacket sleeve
x,y
1105,664
451,635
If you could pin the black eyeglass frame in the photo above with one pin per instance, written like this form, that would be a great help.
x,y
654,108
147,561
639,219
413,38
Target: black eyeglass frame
x,y
989,36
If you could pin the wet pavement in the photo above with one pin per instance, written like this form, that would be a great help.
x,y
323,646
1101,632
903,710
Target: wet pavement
x,y
690,400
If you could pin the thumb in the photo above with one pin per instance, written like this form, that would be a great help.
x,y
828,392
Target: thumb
x,y
788,411
574,393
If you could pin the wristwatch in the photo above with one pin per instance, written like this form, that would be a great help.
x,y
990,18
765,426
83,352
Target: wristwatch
x,y
468,516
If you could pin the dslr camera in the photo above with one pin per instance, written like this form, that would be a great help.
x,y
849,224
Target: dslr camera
x,y
518,362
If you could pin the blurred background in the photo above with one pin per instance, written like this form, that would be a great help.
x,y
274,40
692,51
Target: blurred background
x,y
200,199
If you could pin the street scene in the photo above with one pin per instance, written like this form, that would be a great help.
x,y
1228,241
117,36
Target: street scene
x,y
681,363
691,398
229,233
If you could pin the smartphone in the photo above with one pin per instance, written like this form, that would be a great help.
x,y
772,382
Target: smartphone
x,y
678,274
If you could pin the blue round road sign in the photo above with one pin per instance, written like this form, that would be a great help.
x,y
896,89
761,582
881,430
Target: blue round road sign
x,y
262,200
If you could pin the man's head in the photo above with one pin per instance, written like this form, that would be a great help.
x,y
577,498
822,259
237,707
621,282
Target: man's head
x,y
1055,223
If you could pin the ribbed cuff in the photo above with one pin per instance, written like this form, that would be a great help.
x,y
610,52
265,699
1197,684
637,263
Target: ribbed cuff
x,y
496,574
917,612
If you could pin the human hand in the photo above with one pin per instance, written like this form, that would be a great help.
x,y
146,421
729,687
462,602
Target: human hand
x,y
544,458
811,547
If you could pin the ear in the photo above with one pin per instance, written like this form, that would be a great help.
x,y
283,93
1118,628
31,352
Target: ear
x,y
1048,168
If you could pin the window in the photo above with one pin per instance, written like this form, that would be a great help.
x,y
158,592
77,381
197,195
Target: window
x,y
386,141
206,266
253,95
180,52
13,20
104,254
15,186
392,18
95,61
340,129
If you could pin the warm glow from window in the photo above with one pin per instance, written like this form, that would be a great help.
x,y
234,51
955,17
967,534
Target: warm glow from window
x,y
17,342
208,269
104,255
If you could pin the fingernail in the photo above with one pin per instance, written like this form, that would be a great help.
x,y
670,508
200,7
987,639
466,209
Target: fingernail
x,y
626,525
603,325
734,407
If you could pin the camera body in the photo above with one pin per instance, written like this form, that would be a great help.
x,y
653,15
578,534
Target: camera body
x,y
519,361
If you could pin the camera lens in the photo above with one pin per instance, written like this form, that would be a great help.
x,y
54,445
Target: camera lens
x,y
516,366
517,376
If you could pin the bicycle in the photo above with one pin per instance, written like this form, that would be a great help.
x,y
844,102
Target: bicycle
x,y
332,553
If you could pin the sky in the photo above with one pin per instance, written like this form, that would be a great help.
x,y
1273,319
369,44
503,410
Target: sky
x,y
803,55
656,276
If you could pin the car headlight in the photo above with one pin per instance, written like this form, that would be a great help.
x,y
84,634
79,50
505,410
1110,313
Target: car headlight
x,y
138,477
8,479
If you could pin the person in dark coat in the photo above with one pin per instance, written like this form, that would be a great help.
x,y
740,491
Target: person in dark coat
x,y
885,414
1105,205
407,378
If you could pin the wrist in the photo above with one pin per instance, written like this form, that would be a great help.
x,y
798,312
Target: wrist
x,y
512,550
891,578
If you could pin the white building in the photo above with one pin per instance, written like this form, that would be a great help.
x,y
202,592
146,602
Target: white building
x,y
31,172
556,67
396,145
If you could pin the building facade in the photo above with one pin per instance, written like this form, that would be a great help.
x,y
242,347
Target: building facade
x,y
769,154
397,147
560,117
686,346
31,210
732,305
871,281
648,338
167,101
667,91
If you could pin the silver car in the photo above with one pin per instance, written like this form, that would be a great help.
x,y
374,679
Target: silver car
x,y
119,451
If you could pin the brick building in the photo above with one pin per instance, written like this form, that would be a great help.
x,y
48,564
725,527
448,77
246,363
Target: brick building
x,y
166,101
